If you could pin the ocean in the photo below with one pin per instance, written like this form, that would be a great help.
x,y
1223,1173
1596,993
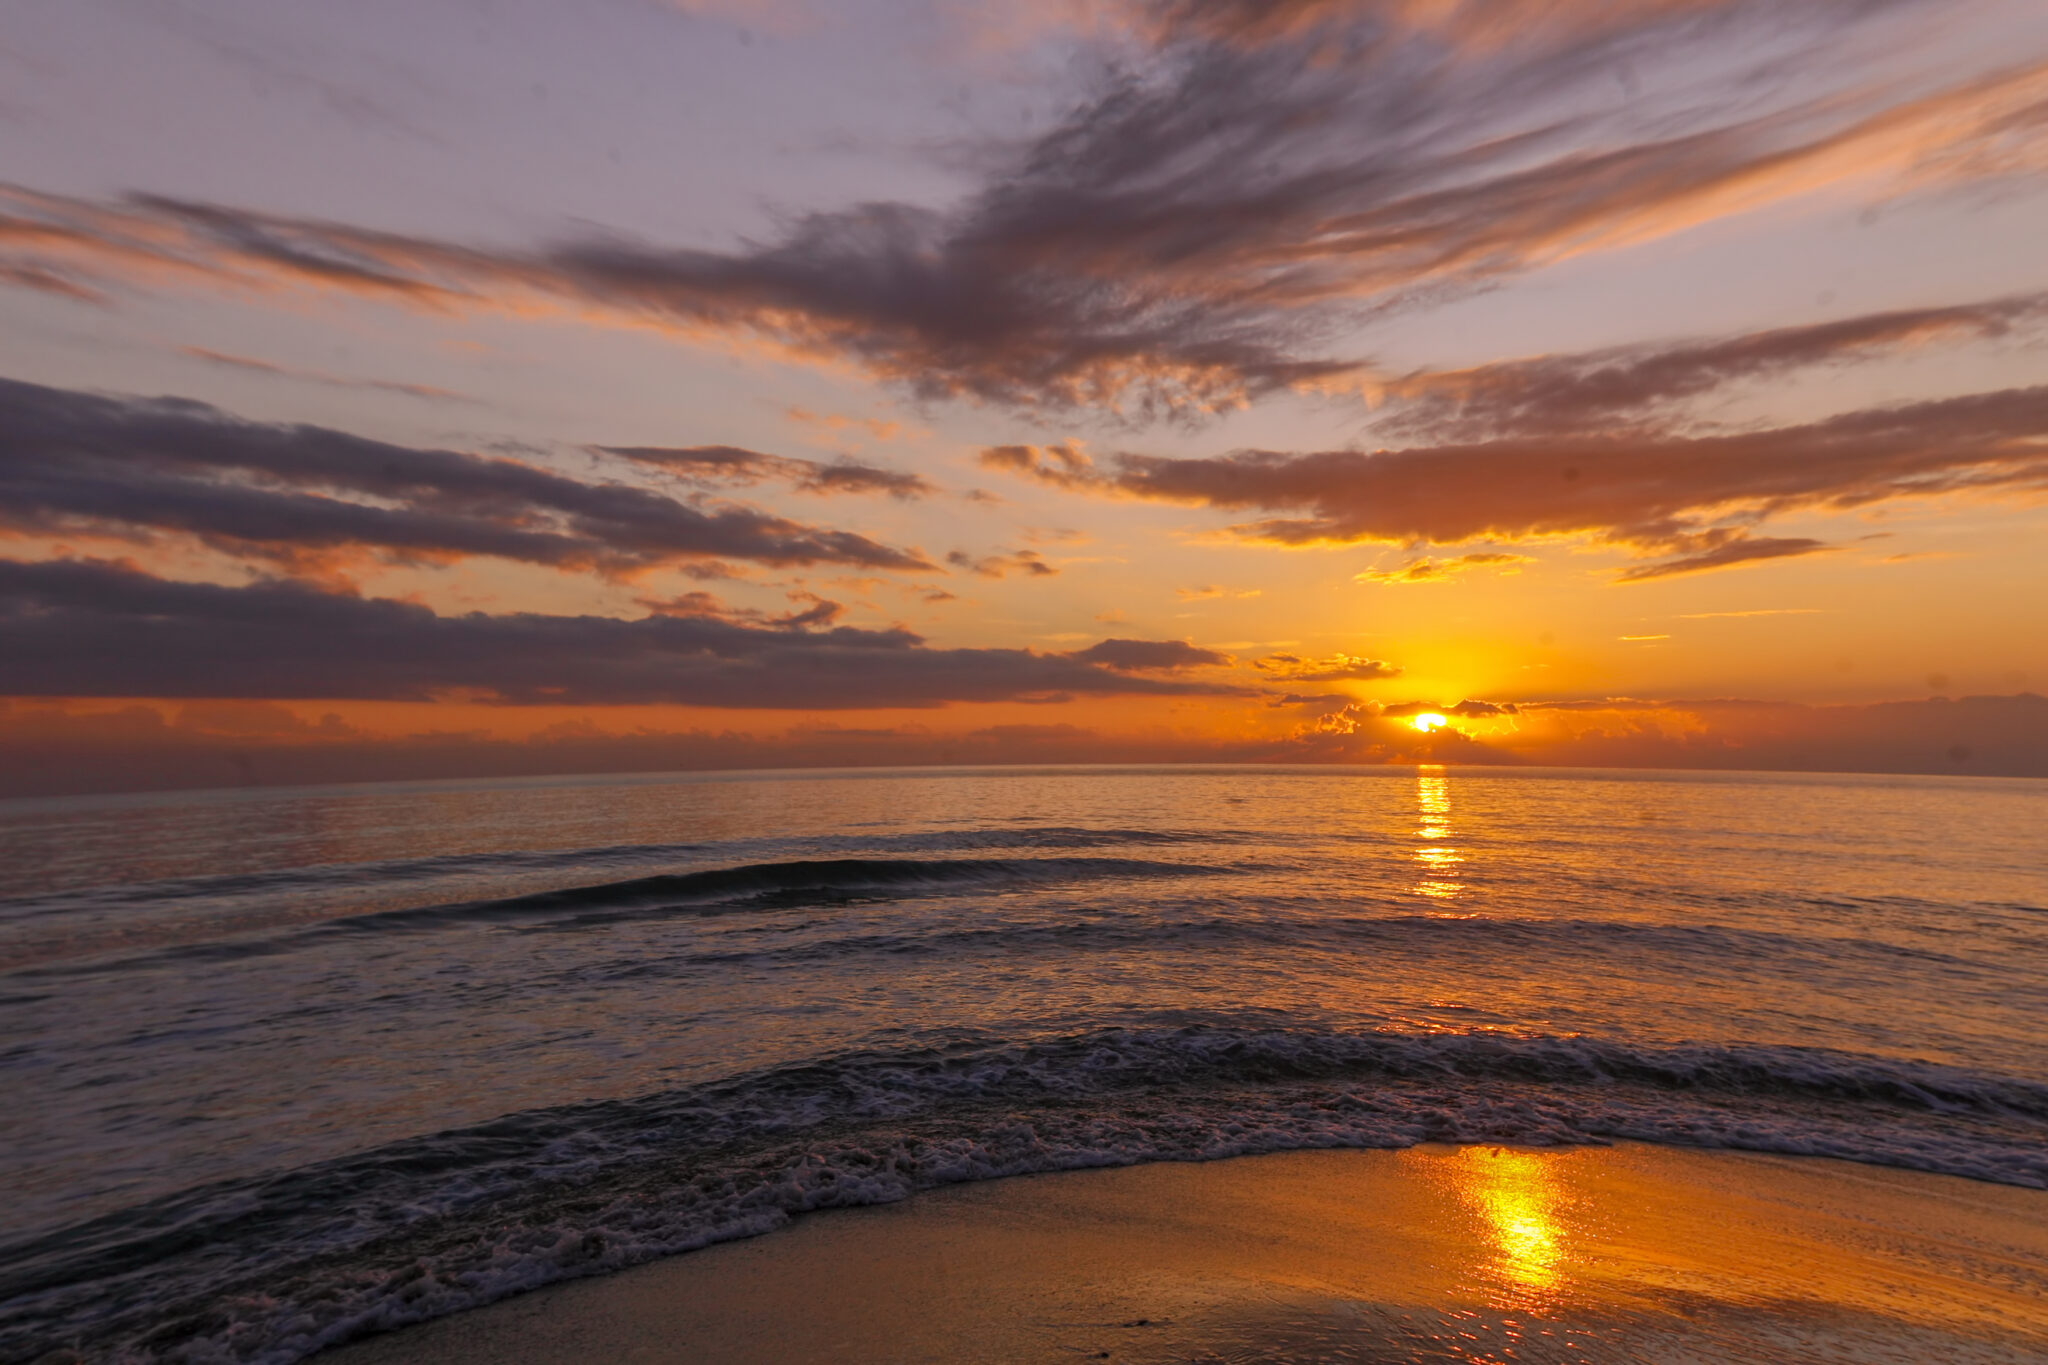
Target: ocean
x,y
282,1067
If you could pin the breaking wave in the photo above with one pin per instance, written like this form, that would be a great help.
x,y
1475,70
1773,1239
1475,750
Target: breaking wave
x,y
269,1270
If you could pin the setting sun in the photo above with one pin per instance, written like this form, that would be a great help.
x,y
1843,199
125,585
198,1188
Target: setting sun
x,y
1429,721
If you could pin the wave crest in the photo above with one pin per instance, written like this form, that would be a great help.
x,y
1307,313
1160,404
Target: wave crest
x,y
269,1270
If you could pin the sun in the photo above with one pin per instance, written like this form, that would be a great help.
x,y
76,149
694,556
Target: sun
x,y
1429,721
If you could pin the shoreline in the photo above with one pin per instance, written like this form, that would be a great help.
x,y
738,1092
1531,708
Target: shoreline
x,y
1590,1254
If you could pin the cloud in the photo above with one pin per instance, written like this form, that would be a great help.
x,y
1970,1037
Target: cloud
x,y
1218,212
1760,611
879,428
1464,710
1662,492
75,463
708,607
1150,656
50,748
1054,535
1065,465
733,466
47,281
1591,445
97,629
1981,734
1440,570
1595,390
1315,703
1336,668
1003,563
253,366
1740,550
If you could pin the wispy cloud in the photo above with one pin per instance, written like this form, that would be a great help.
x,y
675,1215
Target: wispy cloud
x,y
1762,611
1661,491
1294,668
1739,550
734,466
1003,563
73,285
838,424
1627,387
251,365
73,463
1208,224
1427,570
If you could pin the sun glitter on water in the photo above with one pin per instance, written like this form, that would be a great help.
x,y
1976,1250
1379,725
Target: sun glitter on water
x,y
1430,720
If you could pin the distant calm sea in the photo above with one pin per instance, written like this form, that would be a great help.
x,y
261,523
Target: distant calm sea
x,y
280,1067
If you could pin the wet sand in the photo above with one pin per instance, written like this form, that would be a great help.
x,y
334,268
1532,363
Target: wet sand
x,y
1628,1253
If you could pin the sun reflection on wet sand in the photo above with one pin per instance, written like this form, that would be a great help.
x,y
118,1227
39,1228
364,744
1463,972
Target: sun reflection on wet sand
x,y
1438,862
1515,1194
1460,1256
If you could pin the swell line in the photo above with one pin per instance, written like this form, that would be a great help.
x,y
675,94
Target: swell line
x,y
751,888
380,873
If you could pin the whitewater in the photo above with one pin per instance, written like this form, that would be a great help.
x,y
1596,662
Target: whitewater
x,y
286,1067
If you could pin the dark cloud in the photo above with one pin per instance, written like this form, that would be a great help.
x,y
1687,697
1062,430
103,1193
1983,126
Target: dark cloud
x,y
1674,493
705,606
1205,224
1565,394
1589,444
732,465
77,462
1143,656
1738,550
1337,668
95,629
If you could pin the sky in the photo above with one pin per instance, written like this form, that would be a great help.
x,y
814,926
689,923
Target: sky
x,y
474,387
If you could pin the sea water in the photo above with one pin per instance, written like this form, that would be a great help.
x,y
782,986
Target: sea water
x,y
282,1067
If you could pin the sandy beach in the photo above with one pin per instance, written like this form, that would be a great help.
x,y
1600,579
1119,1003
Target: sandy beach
x,y
1430,1254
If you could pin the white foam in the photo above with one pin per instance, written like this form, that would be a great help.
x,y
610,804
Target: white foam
x,y
557,1194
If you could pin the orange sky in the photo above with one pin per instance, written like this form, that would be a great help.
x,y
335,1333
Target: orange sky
x,y
727,385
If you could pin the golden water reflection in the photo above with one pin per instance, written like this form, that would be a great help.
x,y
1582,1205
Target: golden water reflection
x,y
1438,862
1519,1200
